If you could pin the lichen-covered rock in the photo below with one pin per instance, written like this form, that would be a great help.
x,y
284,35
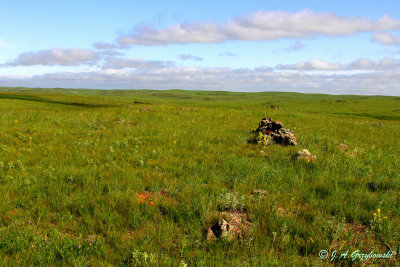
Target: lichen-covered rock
x,y
272,131
231,226
285,137
267,124
222,229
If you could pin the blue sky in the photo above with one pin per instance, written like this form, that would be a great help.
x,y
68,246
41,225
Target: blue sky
x,y
337,47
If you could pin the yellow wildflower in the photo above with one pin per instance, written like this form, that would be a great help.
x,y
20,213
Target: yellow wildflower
x,y
378,210
375,214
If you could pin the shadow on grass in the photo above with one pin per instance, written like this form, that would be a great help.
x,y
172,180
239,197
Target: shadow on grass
x,y
372,116
46,100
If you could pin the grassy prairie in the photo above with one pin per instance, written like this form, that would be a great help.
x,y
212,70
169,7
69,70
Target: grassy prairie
x,y
120,177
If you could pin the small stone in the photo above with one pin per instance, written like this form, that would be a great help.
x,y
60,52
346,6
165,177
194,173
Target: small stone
x,y
343,146
273,107
305,155
259,192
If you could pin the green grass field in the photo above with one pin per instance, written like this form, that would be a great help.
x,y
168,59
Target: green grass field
x,y
120,177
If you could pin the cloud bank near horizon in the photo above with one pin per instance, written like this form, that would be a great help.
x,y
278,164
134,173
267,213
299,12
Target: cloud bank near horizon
x,y
192,78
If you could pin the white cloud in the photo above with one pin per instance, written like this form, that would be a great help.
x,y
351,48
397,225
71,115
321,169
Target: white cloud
x,y
312,64
386,38
102,45
190,57
111,52
362,64
188,33
259,26
383,64
121,63
56,56
359,64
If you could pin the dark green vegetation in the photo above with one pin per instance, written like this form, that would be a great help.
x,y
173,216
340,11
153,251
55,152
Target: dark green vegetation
x,y
136,177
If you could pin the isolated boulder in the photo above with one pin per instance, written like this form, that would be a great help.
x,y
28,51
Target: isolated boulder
x,y
272,131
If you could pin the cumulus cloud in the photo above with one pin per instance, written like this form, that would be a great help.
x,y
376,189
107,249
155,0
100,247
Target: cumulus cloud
x,y
259,26
121,63
110,52
56,56
362,64
383,64
359,64
386,38
190,57
102,45
312,64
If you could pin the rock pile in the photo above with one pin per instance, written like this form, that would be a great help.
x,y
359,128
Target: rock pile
x,y
272,131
